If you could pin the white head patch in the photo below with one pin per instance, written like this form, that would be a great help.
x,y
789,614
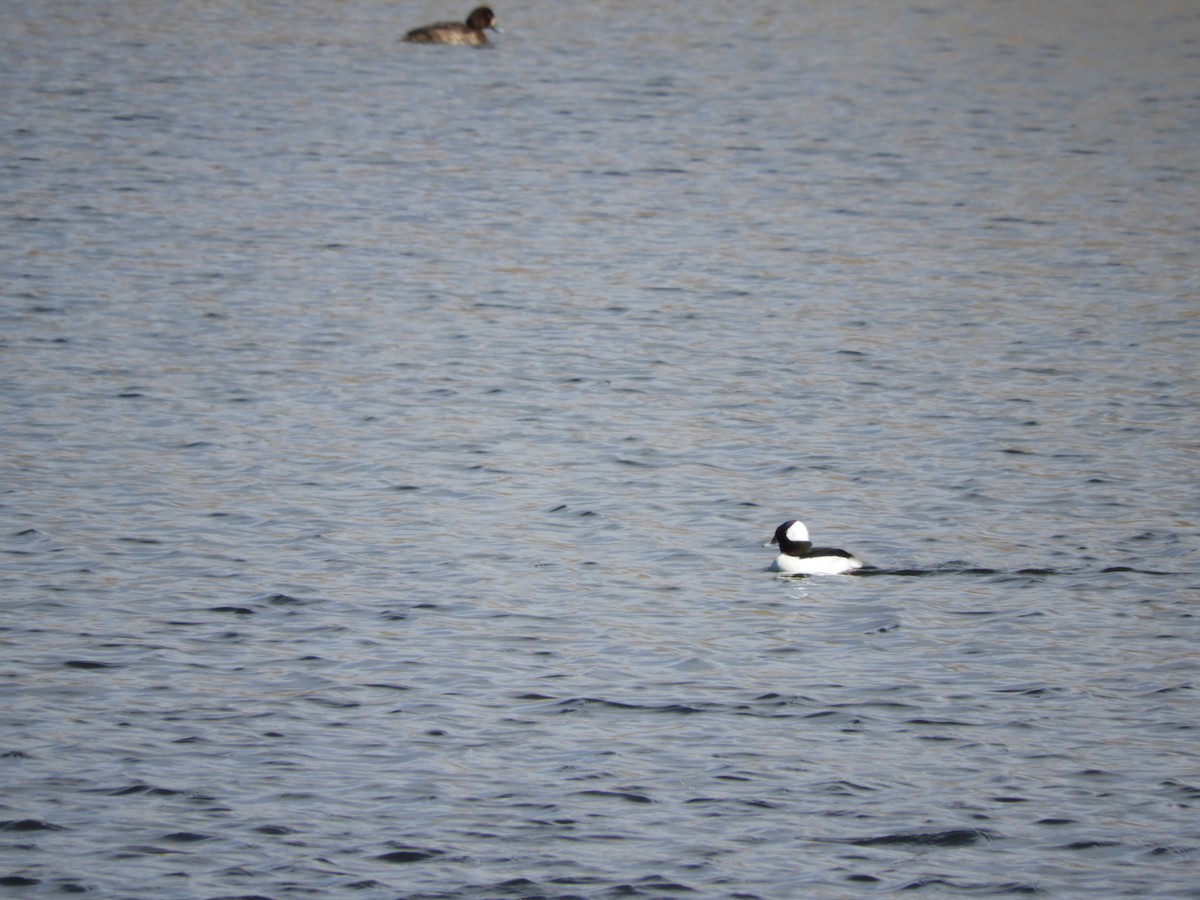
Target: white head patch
x,y
797,532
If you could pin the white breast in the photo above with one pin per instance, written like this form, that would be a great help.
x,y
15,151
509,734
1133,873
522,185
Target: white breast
x,y
815,565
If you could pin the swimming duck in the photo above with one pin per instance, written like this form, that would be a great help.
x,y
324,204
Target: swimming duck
x,y
469,32
797,555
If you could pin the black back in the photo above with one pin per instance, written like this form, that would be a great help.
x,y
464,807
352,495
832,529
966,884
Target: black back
x,y
803,549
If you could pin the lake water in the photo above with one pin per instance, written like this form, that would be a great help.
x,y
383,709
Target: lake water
x,y
390,434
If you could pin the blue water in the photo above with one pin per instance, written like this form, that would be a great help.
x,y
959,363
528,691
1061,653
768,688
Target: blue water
x,y
390,435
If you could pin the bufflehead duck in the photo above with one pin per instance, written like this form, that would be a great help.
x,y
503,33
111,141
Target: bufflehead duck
x,y
469,32
797,555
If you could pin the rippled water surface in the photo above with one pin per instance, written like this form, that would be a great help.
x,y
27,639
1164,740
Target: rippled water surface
x,y
390,434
